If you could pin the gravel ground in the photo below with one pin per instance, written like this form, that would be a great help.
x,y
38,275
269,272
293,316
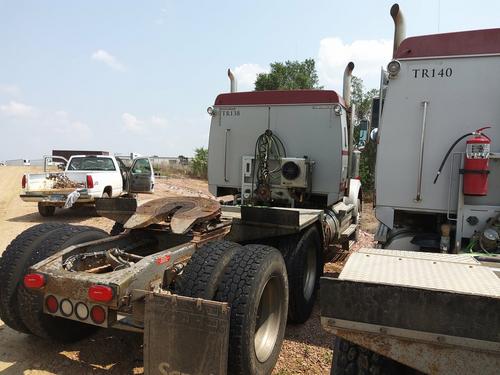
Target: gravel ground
x,y
307,349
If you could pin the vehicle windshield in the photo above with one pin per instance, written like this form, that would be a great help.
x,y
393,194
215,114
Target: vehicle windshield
x,y
91,163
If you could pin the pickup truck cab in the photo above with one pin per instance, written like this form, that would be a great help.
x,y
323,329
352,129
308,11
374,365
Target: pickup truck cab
x,y
85,178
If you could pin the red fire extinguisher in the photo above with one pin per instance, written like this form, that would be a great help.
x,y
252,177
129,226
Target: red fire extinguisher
x,y
476,162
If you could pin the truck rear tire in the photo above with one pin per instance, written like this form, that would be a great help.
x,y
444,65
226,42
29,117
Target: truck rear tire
x,y
304,265
255,285
349,358
45,210
31,302
204,272
14,264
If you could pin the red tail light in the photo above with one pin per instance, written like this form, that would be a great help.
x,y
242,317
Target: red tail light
x,y
34,281
51,304
98,314
23,182
100,293
90,182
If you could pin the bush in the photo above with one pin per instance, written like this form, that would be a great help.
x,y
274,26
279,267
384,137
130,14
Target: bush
x,y
199,164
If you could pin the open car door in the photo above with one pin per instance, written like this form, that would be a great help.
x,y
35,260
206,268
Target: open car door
x,y
141,176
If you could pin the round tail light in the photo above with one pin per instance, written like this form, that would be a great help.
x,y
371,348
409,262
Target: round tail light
x,y
51,304
98,314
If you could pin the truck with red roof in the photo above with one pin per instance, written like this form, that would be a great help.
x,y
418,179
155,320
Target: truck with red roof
x,y
211,287
426,300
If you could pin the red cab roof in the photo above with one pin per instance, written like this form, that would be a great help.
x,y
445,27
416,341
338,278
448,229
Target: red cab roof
x,y
477,42
279,97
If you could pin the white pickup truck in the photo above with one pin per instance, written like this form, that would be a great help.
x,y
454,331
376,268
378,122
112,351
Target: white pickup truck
x,y
86,178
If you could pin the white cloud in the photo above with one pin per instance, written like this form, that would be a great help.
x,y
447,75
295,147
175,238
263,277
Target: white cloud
x,y
17,109
81,130
108,59
11,90
159,121
368,57
246,75
136,125
132,123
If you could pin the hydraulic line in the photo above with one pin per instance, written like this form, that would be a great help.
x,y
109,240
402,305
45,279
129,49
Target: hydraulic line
x,y
449,152
268,147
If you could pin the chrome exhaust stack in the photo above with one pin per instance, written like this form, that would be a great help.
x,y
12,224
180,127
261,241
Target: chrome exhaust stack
x,y
347,84
399,27
347,100
234,83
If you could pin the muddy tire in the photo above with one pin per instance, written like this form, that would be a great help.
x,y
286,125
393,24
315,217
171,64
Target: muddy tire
x,y
46,211
204,272
14,264
31,302
349,358
117,229
304,266
255,285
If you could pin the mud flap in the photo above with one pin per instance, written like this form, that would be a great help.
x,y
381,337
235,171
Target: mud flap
x,y
184,335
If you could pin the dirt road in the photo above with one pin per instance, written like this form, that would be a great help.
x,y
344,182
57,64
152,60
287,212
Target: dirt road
x,y
306,350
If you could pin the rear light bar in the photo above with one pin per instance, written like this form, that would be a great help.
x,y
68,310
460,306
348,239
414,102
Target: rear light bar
x,y
100,293
34,281
23,182
90,182
76,310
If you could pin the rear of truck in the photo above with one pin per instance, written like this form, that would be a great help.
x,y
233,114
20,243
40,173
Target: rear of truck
x,y
426,300
55,187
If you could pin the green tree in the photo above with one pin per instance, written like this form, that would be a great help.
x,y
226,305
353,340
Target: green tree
x,y
362,100
199,164
290,75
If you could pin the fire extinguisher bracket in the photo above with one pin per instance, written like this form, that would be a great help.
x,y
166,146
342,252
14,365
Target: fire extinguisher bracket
x,y
473,171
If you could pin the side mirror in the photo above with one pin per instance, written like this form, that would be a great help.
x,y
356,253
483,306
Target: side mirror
x,y
364,128
375,112
373,134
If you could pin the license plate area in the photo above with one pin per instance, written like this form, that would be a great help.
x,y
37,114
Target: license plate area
x,y
57,198
81,311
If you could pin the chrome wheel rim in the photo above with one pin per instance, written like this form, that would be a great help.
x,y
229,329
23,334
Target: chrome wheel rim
x,y
310,270
268,322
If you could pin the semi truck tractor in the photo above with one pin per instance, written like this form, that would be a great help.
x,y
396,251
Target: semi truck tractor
x,y
426,300
210,286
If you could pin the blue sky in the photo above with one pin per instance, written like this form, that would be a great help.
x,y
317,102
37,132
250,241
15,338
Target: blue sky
x,y
136,76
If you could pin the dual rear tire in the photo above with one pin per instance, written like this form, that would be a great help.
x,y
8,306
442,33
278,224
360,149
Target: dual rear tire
x,y
22,309
253,281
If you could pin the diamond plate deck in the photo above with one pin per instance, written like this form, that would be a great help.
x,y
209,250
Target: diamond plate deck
x,y
444,272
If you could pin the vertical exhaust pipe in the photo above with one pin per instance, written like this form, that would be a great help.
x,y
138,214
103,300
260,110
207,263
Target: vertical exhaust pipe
x,y
347,99
347,84
232,78
399,27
